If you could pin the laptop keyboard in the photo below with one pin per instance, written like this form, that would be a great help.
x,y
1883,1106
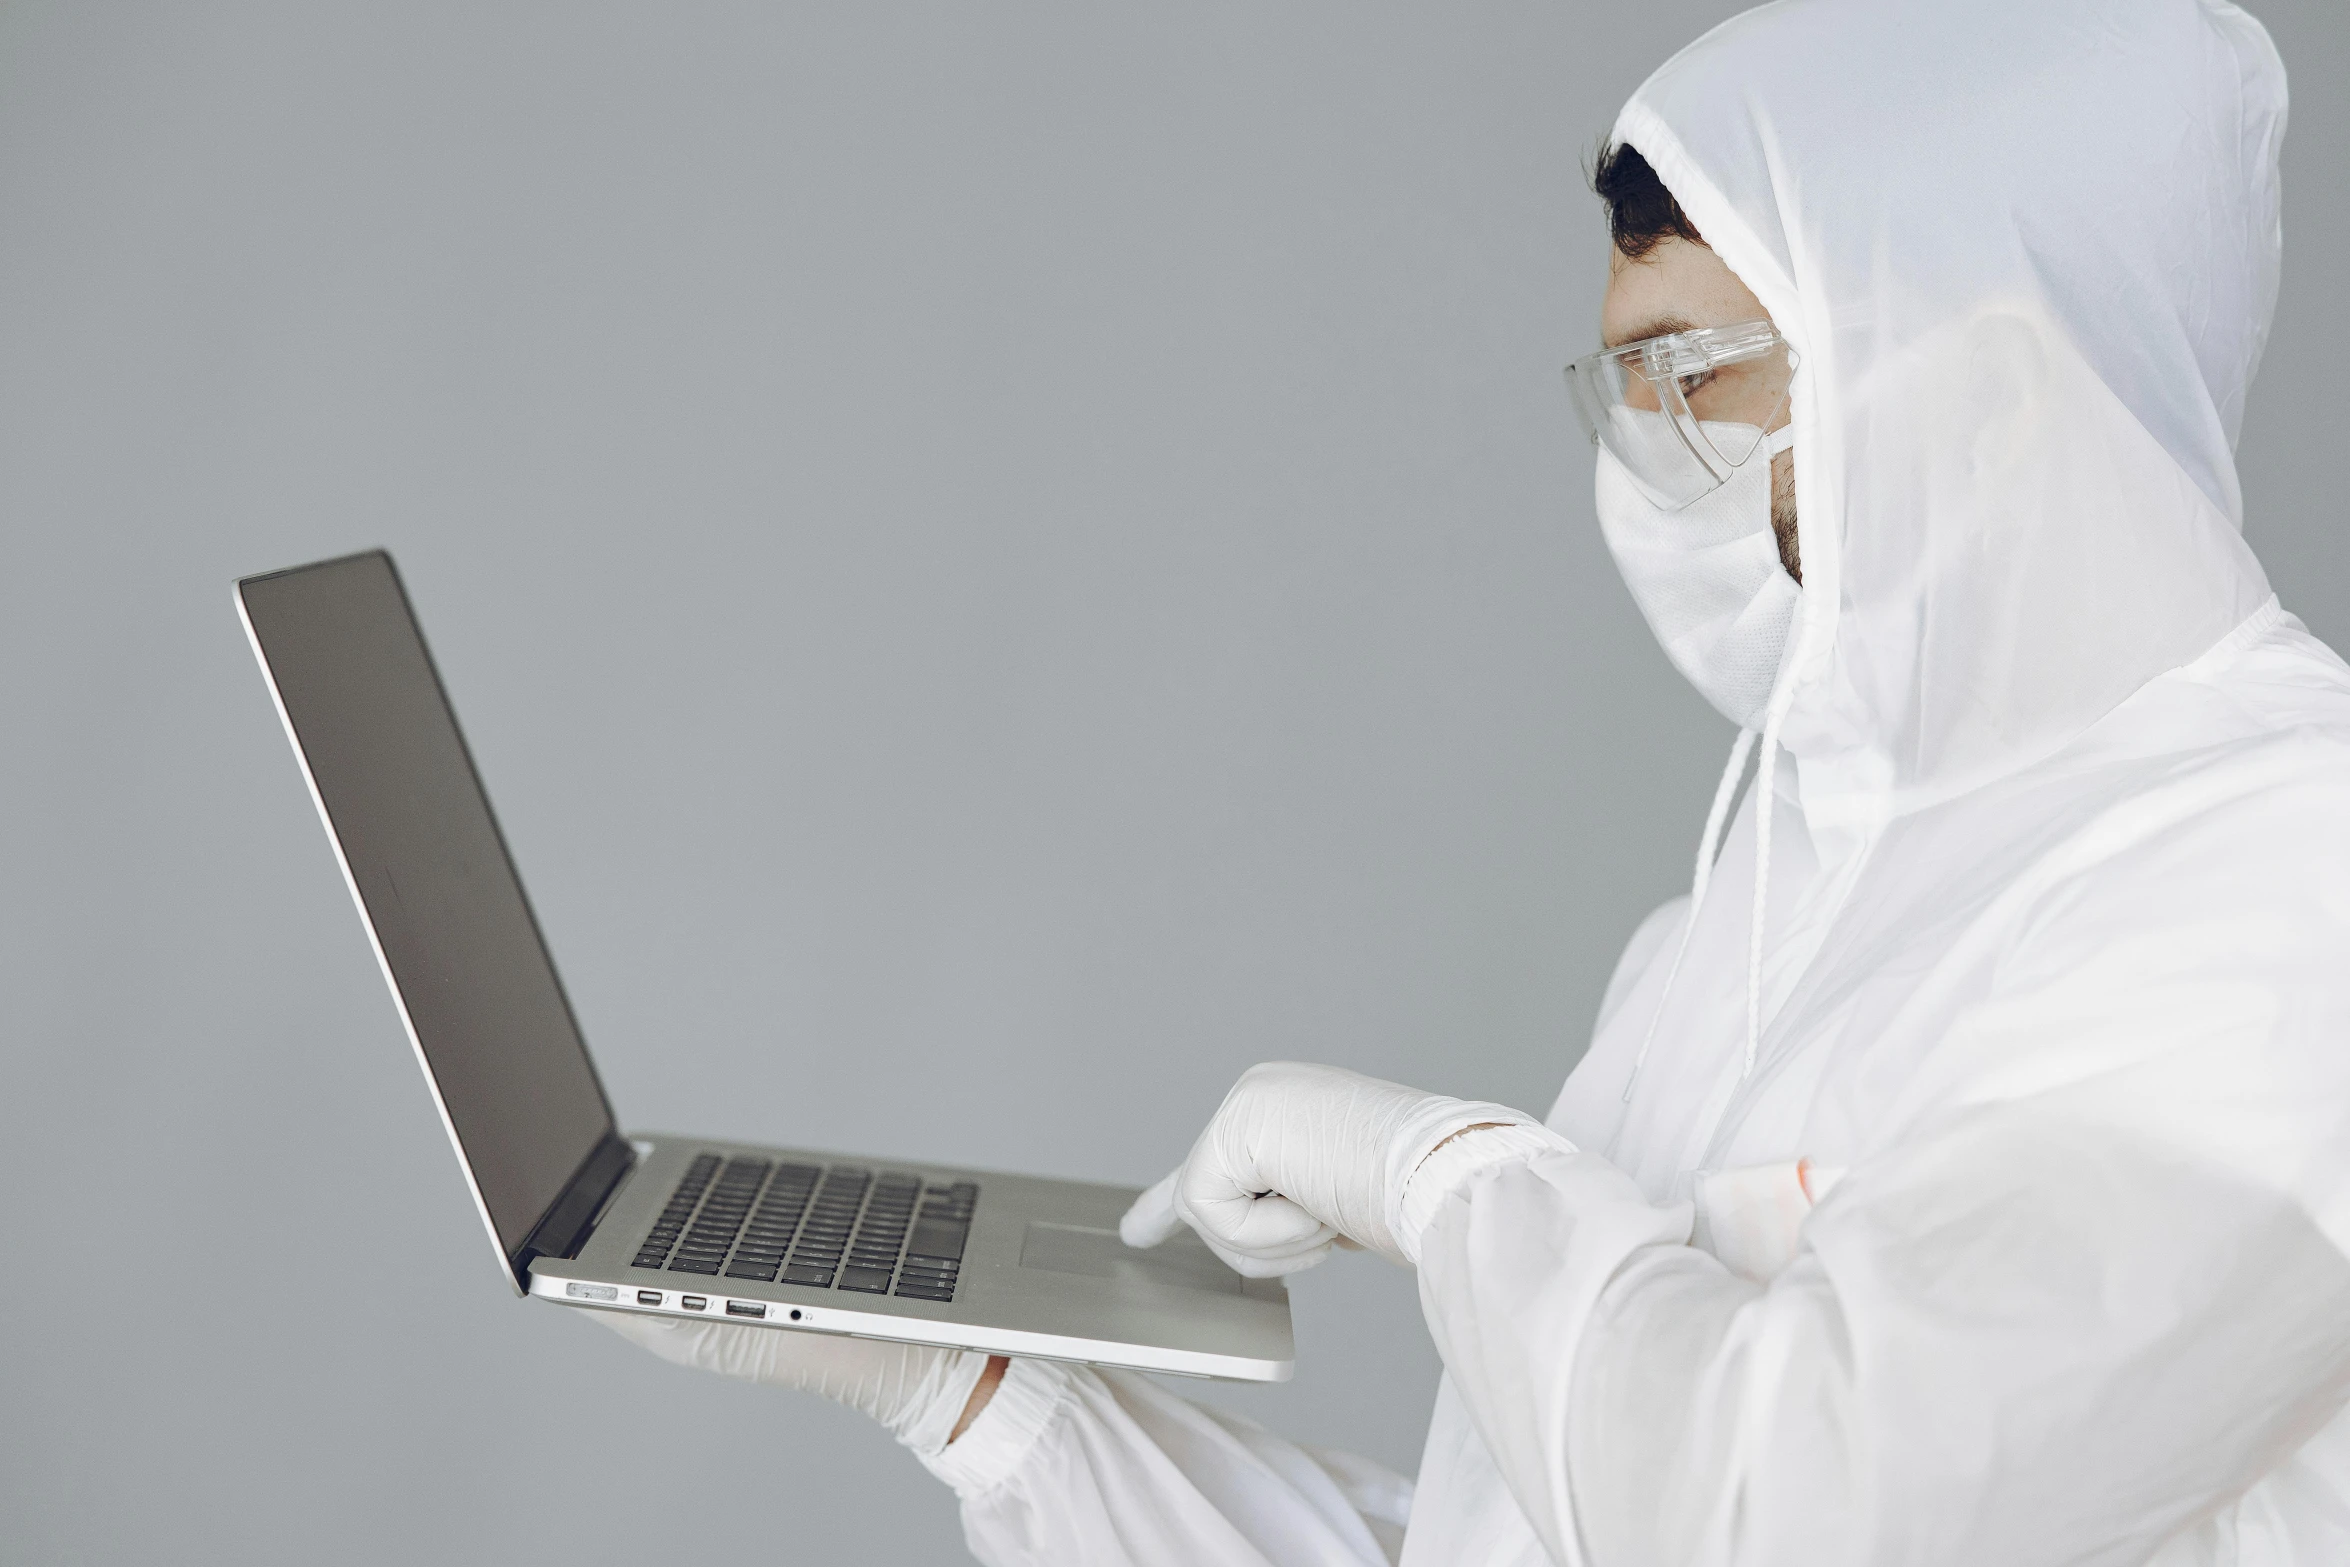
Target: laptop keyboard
x,y
837,1227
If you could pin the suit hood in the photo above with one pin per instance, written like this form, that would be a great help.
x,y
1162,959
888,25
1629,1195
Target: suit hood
x,y
2027,254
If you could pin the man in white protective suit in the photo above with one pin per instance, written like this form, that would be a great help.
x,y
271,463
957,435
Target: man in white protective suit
x,y
1960,1174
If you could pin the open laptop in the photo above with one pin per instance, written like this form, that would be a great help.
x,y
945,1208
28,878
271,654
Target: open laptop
x,y
788,1238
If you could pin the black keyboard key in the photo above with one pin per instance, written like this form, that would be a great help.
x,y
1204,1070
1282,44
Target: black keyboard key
x,y
753,1217
939,1237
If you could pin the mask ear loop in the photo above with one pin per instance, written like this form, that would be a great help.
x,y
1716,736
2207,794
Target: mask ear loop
x,y
1708,845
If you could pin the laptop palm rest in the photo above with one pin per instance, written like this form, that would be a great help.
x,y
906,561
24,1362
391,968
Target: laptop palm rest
x,y
1181,1263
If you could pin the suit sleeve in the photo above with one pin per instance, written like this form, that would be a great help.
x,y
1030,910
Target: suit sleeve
x,y
2092,1292
1072,1466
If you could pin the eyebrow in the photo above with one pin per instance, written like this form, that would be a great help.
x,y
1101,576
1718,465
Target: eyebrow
x,y
1654,326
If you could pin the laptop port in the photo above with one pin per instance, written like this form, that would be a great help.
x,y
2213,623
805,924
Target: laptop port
x,y
648,1297
693,1302
745,1308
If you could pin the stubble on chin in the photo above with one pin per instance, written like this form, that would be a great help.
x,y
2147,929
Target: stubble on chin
x,y
1783,514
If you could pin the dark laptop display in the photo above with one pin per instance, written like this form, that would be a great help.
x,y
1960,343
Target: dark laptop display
x,y
455,932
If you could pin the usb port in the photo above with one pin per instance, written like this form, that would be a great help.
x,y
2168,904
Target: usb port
x,y
692,1302
745,1308
648,1297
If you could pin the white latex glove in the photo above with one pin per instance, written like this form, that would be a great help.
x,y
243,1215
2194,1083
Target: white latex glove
x,y
1300,1157
916,1392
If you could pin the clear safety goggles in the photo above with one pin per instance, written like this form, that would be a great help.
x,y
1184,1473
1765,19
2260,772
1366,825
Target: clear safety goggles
x,y
1684,411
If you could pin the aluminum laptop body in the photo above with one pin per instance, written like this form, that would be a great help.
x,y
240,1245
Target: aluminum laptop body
x,y
585,1215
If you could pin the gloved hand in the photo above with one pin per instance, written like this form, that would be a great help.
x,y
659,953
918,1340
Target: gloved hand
x,y
916,1392
1300,1157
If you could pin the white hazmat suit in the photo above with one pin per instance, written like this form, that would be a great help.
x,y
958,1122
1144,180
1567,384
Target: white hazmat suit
x,y
2054,957
1991,1207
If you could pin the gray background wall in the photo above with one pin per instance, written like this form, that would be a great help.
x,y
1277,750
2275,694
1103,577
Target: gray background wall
x,y
1002,563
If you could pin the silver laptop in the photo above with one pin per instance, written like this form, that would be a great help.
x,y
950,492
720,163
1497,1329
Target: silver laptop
x,y
695,1227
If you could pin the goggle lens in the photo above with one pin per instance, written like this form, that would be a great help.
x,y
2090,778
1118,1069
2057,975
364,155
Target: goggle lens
x,y
1684,411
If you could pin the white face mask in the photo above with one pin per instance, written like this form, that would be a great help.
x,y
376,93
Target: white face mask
x,y
1707,577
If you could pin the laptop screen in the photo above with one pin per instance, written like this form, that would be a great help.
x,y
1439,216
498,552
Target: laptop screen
x,y
396,785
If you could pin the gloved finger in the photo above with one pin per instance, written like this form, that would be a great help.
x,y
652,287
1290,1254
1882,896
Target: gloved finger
x,y
1255,1224
1154,1216
1249,1267
1157,1215
732,1349
679,1343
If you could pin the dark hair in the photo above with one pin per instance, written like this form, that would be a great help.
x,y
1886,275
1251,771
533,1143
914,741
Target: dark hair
x,y
1640,211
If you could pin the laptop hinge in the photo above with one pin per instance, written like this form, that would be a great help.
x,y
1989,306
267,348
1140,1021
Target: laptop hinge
x,y
571,1215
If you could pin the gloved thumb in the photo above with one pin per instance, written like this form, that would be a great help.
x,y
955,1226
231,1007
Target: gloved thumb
x,y
1153,1217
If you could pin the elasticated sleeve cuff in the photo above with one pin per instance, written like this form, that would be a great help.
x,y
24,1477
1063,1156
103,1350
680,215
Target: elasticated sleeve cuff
x,y
1026,1402
1459,1160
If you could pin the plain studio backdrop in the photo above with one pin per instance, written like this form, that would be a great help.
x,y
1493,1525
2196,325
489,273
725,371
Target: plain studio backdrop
x,y
1001,563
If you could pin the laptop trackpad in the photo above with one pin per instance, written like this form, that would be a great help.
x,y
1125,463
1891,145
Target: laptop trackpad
x,y
1184,1262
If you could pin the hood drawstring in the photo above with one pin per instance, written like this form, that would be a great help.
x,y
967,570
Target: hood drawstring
x,y
1766,809
1716,821
1708,845
1766,801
